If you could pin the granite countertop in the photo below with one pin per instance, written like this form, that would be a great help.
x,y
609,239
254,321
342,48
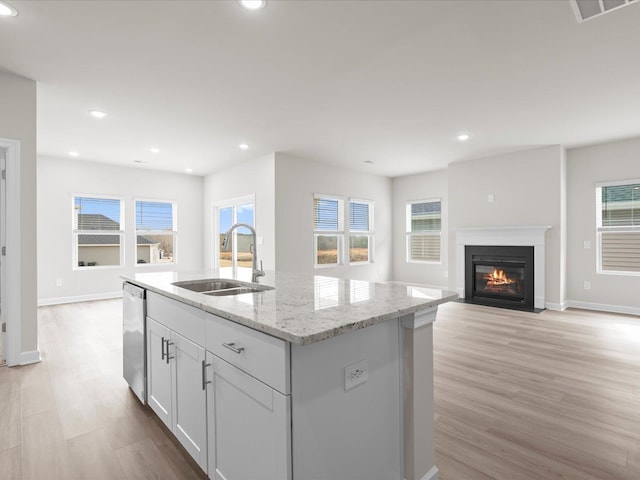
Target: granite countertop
x,y
301,309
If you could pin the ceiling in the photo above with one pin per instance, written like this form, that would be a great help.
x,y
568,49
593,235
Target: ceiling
x,y
388,82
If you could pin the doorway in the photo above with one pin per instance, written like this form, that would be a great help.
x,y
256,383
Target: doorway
x,y
239,257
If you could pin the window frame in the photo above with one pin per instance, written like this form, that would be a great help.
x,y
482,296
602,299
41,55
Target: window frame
x,y
600,229
174,231
409,233
232,203
339,233
75,233
369,233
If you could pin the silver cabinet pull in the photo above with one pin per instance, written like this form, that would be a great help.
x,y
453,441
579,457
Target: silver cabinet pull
x,y
204,375
232,346
169,357
163,352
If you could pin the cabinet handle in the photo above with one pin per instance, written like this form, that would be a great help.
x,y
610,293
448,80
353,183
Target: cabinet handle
x,y
163,352
232,346
169,357
204,375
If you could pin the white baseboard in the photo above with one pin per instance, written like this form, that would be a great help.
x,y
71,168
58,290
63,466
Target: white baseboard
x,y
603,307
27,358
433,474
556,306
80,298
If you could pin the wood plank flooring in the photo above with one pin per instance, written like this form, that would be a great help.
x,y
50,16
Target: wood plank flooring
x,y
524,396
72,416
554,395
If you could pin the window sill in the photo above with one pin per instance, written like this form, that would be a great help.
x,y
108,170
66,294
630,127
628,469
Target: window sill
x,y
617,273
98,267
425,262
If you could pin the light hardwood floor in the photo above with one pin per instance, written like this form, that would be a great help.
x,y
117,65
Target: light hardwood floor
x,y
554,395
72,416
518,396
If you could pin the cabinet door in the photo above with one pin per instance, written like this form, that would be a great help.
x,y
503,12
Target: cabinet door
x,y
190,397
159,388
249,427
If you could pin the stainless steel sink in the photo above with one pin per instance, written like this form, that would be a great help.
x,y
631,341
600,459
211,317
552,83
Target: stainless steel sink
x,y
221,286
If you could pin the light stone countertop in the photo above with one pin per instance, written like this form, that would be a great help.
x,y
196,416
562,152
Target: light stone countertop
x,y
301,309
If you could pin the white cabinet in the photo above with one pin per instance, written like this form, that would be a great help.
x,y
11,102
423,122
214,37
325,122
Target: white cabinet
x,y
249,426
175,382
159,388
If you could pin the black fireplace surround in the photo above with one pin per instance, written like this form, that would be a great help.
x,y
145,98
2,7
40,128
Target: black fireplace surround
x,y
499,276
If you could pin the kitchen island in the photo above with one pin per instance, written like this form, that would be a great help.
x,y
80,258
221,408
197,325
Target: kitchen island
x,y
318,378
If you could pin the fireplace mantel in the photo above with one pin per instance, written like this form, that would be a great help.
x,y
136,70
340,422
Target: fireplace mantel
x,y
526,235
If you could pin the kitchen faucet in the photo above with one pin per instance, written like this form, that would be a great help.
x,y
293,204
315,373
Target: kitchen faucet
x,y
225,246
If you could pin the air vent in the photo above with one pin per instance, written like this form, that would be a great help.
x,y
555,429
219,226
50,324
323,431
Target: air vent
x,y
588,9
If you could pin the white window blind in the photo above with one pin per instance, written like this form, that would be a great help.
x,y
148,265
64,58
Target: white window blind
x,y
619,227
328,225
424,225
360,231
155,232
97,231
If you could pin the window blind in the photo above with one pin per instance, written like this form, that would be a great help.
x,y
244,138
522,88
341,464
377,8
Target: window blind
x,y
359,217
96,213
620,251
425,248
620,205
154,216
327,214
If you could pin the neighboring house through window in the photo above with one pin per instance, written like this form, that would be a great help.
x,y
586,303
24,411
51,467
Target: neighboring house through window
x,y
424,227
156,232
328,226
97,232
618,227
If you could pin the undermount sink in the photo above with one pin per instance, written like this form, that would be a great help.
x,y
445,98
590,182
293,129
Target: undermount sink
x,y
219,287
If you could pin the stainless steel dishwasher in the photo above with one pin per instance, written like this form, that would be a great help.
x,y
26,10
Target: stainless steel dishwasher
x,y
133,339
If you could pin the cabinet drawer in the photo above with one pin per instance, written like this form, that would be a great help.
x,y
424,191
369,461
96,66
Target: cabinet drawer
x,y
260,355
184,319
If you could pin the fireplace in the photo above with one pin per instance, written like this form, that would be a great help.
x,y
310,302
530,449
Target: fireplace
x,y
500,276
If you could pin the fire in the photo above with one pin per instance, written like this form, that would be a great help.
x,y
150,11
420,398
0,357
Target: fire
x,y
498,277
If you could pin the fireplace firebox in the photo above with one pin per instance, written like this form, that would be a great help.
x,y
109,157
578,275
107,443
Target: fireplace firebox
x,y
500,276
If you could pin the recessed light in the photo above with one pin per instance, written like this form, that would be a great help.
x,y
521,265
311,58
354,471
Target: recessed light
x,y
139,161
97,114
253,4
368,162
243,146
188,170
7,10
74,154
463,137
154,150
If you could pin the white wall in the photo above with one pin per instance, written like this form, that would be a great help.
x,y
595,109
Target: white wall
x,y
296,181
586,167
528,190
254,177
60,179
423,186
18,122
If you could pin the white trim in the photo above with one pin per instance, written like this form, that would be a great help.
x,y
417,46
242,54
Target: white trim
x,y
13,298
559,307
78,298
419,319
522,236
27,358
603,307
433,474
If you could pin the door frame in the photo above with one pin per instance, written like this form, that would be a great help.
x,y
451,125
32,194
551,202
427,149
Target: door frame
x,y
11,291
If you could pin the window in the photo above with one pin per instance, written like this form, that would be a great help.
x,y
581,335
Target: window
x,y
328,226
424,225
155,232
240,252
360,231
97,232
618,227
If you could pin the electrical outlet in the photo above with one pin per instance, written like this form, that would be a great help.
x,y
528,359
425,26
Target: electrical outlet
x,y
355,374
587,244
587,285
491,197
58,282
